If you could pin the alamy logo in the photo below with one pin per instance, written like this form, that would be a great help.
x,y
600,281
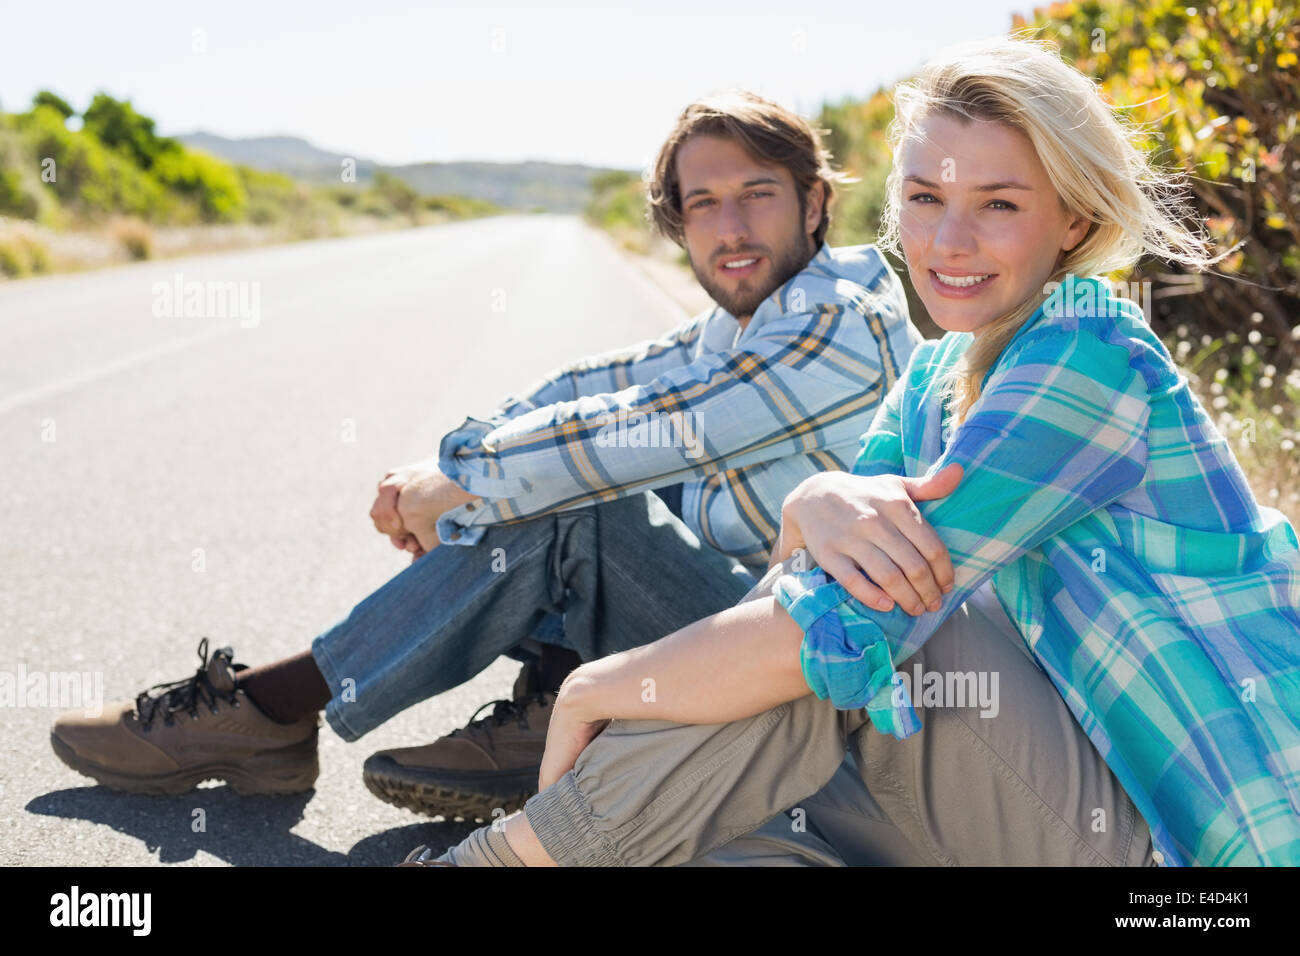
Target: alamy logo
x,y
62,689
651,430
102,909
179,299
1082,297
948,689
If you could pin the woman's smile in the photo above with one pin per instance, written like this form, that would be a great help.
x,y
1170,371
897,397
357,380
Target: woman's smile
x,y
956,285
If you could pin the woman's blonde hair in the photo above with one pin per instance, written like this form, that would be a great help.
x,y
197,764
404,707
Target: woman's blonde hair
x,y
1091,153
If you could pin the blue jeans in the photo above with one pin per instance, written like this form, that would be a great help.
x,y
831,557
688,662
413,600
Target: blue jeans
x,y
620,574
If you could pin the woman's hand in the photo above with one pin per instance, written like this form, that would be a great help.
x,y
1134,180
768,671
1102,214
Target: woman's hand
x,y
569,732
856,525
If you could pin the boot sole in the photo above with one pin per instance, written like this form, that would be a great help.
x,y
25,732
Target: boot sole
x,y
290,769
466,796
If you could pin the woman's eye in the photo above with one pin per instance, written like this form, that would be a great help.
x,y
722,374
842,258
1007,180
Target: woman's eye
x,y
1011,207
925,199
700,203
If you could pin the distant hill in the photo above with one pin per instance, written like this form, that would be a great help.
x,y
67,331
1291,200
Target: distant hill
x,y
555,187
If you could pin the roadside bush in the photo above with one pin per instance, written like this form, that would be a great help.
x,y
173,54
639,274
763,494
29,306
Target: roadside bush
x,y
22,255
13,258
212,183
132,235
1217,90
87,175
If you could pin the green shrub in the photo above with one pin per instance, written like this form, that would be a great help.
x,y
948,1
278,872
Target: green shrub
x,y
14,198
213,183
22,254
617,201
459,207
117,125
116,165
86,174
375,204
13,258
1218,90
344,196
46,98
272,197
396,193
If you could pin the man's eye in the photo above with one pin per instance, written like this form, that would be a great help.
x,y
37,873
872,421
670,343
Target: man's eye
x,y
760,193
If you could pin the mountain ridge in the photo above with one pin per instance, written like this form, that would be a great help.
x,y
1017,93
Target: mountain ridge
x,y
530,184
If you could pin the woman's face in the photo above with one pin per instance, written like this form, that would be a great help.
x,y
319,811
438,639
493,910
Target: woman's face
x,y
980,223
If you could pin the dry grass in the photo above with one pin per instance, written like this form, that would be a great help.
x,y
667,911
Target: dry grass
x,y
135,236
1254,407
23,250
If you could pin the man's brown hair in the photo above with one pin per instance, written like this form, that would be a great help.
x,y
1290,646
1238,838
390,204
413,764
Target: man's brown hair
x,y
767,131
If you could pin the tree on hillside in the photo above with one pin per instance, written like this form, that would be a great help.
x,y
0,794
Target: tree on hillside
x,y
46,98
118,126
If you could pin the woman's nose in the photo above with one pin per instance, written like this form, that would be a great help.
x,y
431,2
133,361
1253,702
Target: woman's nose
x,y
953,234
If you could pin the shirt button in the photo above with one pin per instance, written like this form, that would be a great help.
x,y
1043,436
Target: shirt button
x,y
455,536
469,507
1158,857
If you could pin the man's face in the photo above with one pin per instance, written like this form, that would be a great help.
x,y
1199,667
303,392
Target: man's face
x,y
746,230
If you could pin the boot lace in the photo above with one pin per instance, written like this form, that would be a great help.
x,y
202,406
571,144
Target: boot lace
x,y
183,695
504,711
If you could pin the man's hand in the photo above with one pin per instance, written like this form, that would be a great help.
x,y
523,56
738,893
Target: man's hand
x,y
851,524
410,501
568,733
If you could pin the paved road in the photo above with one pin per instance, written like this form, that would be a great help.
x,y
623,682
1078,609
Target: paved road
x,y
130,439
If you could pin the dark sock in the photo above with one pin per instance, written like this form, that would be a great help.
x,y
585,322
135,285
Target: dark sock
x,y
557,663
287,690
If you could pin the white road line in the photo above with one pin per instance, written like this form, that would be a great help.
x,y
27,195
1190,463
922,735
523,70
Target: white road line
x,y
41,392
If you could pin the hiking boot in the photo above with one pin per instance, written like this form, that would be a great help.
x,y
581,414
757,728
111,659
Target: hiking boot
x,y
174,736
487,766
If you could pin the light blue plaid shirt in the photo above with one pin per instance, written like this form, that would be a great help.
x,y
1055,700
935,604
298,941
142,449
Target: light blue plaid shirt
x,y
739,417
1123,541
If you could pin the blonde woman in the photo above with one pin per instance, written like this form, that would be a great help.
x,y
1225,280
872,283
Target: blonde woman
x,y
1094,552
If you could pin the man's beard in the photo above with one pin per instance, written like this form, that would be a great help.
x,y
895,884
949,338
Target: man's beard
x,y
788,262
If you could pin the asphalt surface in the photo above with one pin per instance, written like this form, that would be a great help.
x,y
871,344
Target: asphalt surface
x,y
165,477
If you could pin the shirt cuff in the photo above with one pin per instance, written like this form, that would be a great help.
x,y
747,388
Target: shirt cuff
x,y
463,457
844,655
452,531
468,457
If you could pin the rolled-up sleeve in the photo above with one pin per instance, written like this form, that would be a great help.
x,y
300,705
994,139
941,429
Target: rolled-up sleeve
x,y
465,459
844,655
1058,432
783,393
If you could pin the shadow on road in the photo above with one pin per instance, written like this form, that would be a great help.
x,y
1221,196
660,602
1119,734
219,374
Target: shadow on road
x,y
391,846
241,830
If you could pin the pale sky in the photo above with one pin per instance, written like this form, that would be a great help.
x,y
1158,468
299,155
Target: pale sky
x,y
591,82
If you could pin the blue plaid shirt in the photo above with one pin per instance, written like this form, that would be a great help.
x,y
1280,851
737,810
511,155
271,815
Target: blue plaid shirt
x,y
738,416
1123,541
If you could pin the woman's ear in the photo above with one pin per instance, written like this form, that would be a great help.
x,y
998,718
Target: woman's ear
x,y
1076,232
